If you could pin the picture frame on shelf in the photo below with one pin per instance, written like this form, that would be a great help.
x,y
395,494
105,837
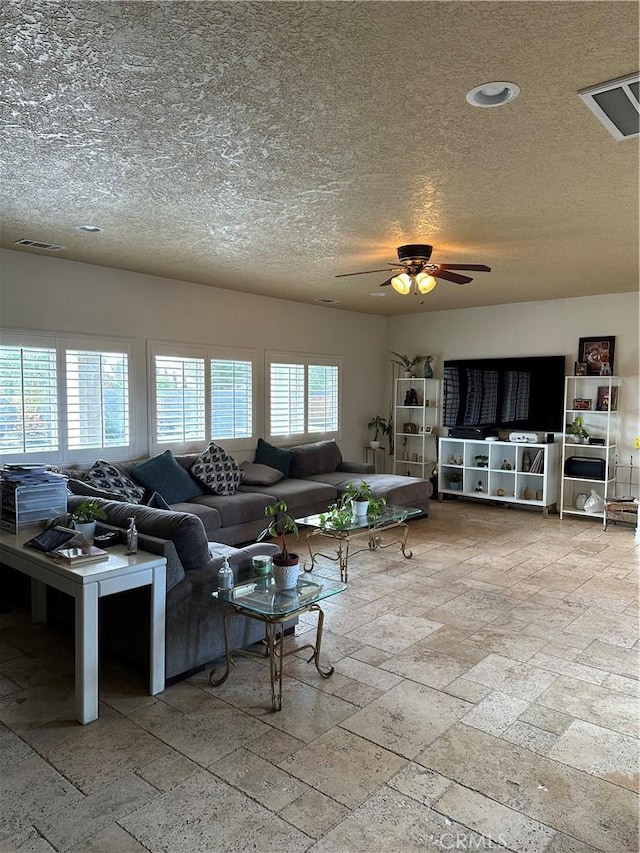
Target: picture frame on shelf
x,y
580,368
581,403
606,402
597,353
429,430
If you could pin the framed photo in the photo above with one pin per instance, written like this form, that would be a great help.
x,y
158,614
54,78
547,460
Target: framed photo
x,y
597,353
581,403
580,368
604,402
429,430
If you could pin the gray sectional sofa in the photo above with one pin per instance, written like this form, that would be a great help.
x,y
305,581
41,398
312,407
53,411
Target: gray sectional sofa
x,y
195,534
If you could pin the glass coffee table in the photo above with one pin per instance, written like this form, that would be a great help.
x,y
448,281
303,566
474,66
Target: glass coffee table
x,y
369,528
259,598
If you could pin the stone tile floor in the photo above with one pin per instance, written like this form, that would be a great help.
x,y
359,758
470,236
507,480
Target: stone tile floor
x,y
485,697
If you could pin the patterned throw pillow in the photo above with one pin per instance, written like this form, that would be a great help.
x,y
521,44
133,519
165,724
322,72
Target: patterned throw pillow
x,y
105,476
218,470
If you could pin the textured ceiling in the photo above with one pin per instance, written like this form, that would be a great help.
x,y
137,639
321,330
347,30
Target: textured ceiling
x,y
266,147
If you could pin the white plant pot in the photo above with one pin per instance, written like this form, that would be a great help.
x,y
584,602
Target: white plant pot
x,y
374,445
359,508
285,577
87,529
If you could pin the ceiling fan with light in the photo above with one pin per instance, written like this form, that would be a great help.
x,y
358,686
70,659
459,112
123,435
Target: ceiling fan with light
x,y
416,272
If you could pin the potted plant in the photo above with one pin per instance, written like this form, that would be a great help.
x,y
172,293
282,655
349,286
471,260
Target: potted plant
x,y
454,479
286,564
358,496
379,425
85,516
406,363
577,430
357,500
482,461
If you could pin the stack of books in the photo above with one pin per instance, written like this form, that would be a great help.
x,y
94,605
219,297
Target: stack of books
x,y
537,466
78,556
28,474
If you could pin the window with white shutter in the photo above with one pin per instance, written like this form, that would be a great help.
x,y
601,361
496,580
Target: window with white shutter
x,y
231,398
97,385
179,399
28,399
304,396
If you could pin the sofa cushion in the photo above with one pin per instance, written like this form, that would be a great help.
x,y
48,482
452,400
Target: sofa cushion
x,y
260,475
164,475
319,457
274,457
218,470
156,501
241,508
297,494
106,476
395,488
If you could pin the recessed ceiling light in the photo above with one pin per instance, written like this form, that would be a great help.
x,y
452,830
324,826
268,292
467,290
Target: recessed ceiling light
x,y
378,295
493,94
90,229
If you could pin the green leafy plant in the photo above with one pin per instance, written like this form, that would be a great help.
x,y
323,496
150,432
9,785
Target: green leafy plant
x,y
279,527
340,515
405,362
482,461
454,476
379,425
87,511
577,428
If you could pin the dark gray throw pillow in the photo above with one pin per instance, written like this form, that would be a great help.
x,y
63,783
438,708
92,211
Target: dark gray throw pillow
x,y
260,475
274,457
163,474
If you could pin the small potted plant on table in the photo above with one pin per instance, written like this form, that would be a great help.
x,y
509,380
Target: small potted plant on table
x,y
286,564
454,479
85,516
380,426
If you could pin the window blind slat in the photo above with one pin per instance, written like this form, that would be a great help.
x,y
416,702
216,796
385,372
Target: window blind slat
x,y
28,399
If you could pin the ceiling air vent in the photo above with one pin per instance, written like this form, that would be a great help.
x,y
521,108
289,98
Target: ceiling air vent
x,y
617,105
38,244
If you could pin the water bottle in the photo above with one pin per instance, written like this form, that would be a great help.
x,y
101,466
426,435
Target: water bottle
x,y
132,537
225,576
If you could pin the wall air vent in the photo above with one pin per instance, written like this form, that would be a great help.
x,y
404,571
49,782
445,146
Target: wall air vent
x,y
617,105
38,244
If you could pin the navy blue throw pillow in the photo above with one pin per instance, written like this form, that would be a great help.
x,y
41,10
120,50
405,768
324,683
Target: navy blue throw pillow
x,y
274,457
163,474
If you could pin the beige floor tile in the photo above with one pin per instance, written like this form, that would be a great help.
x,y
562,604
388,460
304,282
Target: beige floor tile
x,y
12,748
358,694
494,820
407,718
168,770
30,790
545,616
517,646
390,821
495,713
343,766
262,781
395,632
612,658
562,666
420,784
111,839
27,841
203,814
74,823
364,673
470,691
562,843
602,814
623,685
207,735
594,704
600,752
530,737
609,627
546,718
274,746
512,677
314,813
427,666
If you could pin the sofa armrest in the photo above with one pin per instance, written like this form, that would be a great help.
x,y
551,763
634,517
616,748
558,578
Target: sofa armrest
x,y
356,467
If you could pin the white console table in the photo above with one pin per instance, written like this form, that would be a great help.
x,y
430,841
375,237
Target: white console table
x,y
87,583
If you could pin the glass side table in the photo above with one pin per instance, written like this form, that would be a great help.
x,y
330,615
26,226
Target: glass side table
x,y
259,598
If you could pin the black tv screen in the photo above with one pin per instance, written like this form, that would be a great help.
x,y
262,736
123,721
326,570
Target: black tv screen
x,y
505,393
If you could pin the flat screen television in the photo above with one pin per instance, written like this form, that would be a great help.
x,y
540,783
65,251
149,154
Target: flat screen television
x,y
524,394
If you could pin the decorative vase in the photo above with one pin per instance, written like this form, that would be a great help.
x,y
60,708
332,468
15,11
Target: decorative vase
x,y
428,371
285,572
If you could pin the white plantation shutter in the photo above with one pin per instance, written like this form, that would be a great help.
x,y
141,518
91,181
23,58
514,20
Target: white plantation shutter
x,y
179,399
97,399
28,399
322,398
287,399
231,398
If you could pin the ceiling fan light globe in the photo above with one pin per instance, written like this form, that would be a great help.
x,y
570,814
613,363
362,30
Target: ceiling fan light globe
x,y
401,283
425,282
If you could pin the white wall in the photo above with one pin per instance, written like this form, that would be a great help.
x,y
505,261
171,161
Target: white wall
x,y
533,328
41,293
